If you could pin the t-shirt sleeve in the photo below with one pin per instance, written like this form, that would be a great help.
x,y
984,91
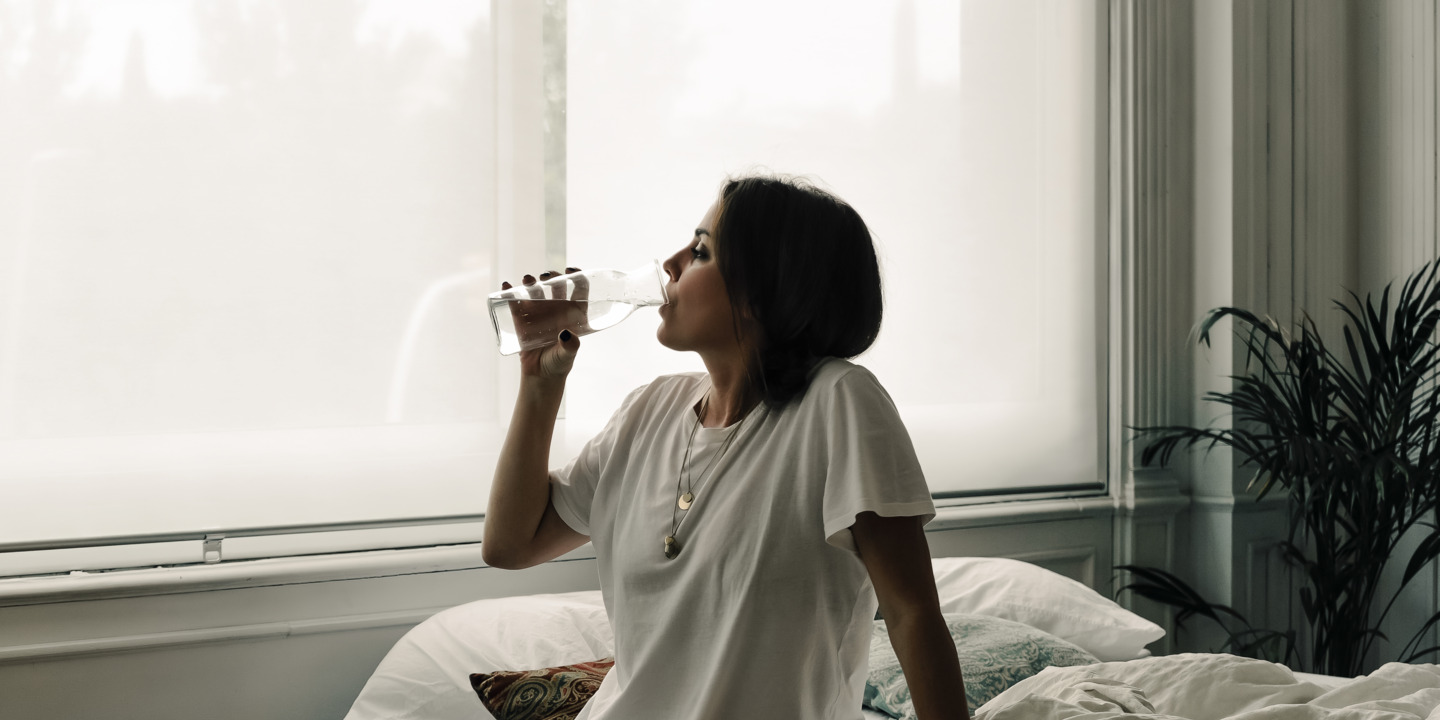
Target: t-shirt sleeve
x,y
872,466
572,488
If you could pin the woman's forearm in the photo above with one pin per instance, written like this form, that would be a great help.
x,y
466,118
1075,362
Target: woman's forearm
x,y
932,667
520,491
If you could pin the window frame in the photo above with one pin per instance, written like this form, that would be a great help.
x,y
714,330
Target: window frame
x,y
523,201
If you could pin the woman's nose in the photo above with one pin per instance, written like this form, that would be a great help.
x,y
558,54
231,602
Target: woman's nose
x,y
672,266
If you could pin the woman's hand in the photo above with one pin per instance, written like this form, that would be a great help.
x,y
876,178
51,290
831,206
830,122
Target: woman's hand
x,y
522,528
548,328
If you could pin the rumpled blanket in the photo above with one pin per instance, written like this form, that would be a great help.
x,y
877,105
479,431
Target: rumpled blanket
x,y
1204,686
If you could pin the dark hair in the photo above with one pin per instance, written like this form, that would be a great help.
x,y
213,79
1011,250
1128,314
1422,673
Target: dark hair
x,y
801,264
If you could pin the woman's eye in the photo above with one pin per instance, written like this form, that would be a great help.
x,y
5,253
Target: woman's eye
x,y
698,253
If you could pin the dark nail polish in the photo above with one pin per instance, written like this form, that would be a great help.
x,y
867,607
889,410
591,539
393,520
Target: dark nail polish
x,y
528,279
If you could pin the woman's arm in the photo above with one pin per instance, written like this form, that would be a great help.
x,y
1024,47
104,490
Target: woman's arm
x,y
897,557
522,528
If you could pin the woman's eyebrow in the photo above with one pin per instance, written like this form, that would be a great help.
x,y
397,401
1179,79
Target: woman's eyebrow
x,y
701,231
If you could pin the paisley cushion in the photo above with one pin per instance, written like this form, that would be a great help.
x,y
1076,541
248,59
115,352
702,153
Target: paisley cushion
x,y
556,693
994,654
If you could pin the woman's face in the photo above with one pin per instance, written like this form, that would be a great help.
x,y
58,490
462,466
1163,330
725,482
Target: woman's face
x,y
698,316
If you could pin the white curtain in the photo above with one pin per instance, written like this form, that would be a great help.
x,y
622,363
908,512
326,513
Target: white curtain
x,y
244,244
969,135
244,247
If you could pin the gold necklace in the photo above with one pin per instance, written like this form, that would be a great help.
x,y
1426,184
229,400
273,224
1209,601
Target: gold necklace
x,y
687,499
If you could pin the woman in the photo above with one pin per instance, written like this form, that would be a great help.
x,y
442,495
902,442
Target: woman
x,y
741,516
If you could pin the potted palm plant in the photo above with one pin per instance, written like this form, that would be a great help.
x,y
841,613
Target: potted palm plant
x,y
1354,437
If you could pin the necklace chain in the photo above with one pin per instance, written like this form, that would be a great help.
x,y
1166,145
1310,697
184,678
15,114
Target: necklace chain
x,y
684,501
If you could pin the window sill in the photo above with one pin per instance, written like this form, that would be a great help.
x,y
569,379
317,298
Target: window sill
x,y
451,558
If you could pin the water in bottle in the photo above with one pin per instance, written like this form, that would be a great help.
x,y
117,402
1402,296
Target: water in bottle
x,y
532,316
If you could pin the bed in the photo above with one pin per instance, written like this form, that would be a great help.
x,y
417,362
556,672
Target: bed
x,y
1033,645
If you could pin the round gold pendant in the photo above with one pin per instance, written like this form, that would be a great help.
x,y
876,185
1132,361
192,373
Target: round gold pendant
x,y
685,501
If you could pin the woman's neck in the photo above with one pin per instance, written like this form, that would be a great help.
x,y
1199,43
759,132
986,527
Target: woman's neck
x,y
731,393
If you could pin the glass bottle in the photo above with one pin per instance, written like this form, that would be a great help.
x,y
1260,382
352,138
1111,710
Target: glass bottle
x,y
532,316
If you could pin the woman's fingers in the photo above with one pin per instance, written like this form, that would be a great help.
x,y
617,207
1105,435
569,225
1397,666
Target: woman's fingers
x,y
510,292
536,289
582,286
532,287
554,360
562,355
557,290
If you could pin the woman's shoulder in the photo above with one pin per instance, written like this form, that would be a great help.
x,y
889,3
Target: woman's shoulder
x,y
677,386
680,381
841,391
834,378
833,371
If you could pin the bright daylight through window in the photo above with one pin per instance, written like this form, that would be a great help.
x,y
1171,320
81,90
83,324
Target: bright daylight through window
x,y
245,244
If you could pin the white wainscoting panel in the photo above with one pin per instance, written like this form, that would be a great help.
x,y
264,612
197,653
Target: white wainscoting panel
x,y
301,650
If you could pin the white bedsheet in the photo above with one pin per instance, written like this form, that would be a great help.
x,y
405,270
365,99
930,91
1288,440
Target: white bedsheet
x,y
1326,682
1215,687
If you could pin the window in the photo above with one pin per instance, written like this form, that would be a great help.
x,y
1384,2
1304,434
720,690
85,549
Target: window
x,y
244,244
244,247
969,135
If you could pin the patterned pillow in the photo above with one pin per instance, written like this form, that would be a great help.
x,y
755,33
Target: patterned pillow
x,y
557,693
994,654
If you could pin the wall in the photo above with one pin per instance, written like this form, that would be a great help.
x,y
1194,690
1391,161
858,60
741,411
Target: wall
x,y
1315,174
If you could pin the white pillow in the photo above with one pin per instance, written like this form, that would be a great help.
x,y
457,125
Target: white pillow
x,y
1045,600
427,674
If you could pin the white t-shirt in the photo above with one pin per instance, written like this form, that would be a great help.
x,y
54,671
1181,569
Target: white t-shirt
x,y
767,610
